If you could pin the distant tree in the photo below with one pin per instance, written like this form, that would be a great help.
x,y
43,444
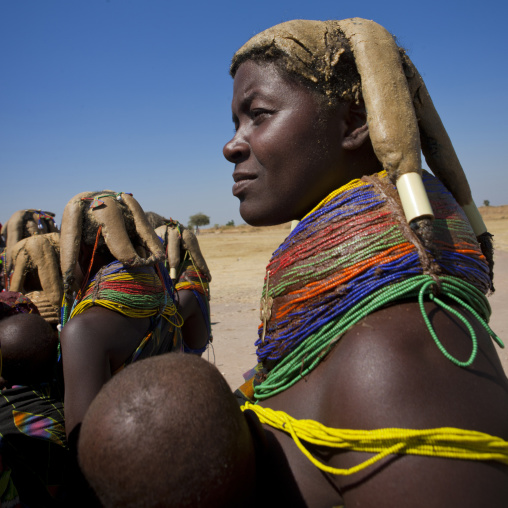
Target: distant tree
x,y
486,203
230,223
200,219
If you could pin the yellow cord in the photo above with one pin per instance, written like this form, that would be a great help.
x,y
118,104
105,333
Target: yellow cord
x,y
170,311
446,442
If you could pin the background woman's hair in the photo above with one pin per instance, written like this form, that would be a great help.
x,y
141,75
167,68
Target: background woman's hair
x,y
90,226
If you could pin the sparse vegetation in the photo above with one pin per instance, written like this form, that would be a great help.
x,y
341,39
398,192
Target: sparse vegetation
x,y
199,219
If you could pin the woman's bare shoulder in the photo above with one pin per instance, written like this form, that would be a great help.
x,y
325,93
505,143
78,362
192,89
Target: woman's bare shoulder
x,y
99,331
387,372
390,372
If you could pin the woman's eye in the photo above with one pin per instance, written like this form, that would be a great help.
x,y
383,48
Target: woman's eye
x,y
259,113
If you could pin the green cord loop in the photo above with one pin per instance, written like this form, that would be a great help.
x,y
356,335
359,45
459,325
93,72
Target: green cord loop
x,y
457,314
303,359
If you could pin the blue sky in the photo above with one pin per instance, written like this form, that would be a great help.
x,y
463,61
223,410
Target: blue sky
x,y
134,95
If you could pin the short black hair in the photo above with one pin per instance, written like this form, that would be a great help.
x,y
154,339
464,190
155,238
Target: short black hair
x,y
167,430
29,349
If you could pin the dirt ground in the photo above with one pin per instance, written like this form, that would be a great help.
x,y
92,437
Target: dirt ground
x,y
237,258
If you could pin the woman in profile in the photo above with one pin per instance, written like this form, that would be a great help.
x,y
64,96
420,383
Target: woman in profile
x,y
378,382
374,313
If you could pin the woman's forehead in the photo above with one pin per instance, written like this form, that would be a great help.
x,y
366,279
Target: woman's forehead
x,y
257,78
252,75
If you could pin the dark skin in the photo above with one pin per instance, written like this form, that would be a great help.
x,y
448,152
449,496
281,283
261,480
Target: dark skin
x,y
96,343
194,329
280,177
386,371
28,348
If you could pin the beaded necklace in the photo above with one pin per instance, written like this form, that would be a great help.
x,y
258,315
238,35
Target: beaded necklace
x,y
135,292
353,254
448,442
189,277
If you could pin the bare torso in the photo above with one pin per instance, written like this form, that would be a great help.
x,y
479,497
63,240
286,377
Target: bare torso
x,y
388,372
94,345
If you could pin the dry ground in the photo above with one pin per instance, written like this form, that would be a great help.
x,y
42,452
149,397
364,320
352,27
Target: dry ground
x,y
237,258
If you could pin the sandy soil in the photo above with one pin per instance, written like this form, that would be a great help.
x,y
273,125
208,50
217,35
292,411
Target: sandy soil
x,y
237,258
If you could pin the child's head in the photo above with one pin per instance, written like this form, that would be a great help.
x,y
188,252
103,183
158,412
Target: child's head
x,y
167,429
29,349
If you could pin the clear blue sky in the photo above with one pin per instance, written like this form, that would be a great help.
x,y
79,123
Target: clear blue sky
x,y
134,95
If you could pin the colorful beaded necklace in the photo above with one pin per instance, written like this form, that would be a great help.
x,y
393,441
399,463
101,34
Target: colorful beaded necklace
x,y
353,254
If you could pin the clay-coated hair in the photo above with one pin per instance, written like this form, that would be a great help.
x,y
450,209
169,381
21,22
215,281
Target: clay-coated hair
x,y
336,83
155,219
90,227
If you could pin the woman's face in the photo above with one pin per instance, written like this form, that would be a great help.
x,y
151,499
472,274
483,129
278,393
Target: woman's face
x,y
288,155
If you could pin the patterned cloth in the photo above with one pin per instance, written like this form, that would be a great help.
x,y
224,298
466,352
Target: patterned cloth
x,y
34,459
33,450
12,303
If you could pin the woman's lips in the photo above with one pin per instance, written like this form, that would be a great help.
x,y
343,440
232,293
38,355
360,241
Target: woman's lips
x,y
242,182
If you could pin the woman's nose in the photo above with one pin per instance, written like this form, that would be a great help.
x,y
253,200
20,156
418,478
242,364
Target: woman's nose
x,y
236,150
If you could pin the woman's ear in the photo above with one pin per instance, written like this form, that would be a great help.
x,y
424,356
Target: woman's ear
x,y
358,130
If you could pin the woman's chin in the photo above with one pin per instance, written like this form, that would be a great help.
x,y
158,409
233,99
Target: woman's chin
x,y
257,219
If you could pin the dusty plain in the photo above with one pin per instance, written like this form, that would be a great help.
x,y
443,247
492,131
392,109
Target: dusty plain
x,y
237,258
